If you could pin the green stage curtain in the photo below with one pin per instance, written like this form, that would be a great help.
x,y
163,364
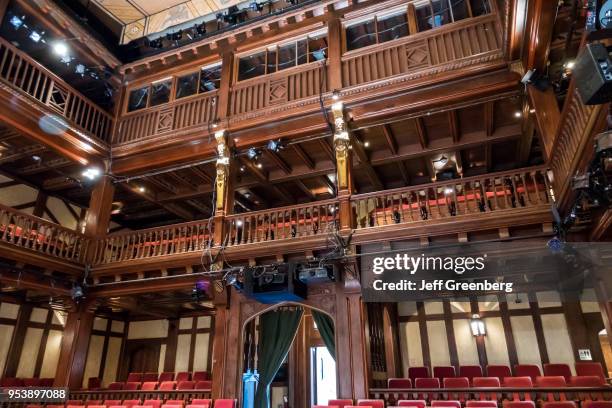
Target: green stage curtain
x,y
278,329
325,324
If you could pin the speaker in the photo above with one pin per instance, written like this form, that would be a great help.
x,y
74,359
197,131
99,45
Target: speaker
x,y
278,285
593,75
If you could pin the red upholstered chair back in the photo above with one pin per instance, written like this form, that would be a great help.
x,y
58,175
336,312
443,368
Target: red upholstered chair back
x,y
519,404
482,382
374,403
412,403
481,404
150,377
131,386
519,382
591,368
93,383
115,386
108,403
203,385
197,406
201,376
167,385
74,402
186,385
11,382
166,376
134,377
559,404
499,371
46,382
225,403
458,382
341,403
130,403
183,376
418,372
594,404
446,404
149,386
31,382
175,402
470,371
527,370
75,406
93,403
587,381
551,381
202,401
155,403
427,383
399,383
553,370
95,406
444,372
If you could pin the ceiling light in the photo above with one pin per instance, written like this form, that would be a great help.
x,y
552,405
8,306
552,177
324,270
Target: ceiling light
x,y
366,144
79,69
142,189
259,165
239,223
569,64
36,158
16,22
252,153
518,114
336,95
60,48
92,173
337,106
448,191
242,168
36,36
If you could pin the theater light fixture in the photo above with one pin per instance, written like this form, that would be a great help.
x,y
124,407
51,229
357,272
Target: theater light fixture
x,y
518,114
92,173
60,48
477,326
336,95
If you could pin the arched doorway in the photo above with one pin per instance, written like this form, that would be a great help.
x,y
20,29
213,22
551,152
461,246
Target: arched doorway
x,y
307,375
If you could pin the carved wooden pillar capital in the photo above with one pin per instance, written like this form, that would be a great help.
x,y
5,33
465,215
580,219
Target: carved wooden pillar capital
x,y
342,150
223,181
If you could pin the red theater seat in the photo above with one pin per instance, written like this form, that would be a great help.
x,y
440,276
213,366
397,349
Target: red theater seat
x,y
552,382
527,370
499,371
203,385
412,403
166,376
446,404
196,406
96,406
115,386
558,404
155,403
225,403
150,377
94,403
149,386
131,386
74,402
519,382
186,385
584,369
341,403
167,386
134,377
201,376
201,401
109,403
130,403
458,382
183,376
553,370
94,383
75,406
483,382
519,404
481,404
31,382
374,403
470,371
399,383
11,382
597,404
172,405
175,402
427,383
587,381
444,372
46,382
418,372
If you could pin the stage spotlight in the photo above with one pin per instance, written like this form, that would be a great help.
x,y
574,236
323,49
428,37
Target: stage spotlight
x,y
275,145
176,36
36,36
252,153
201,28
16,22
156,43
60,48
91,173
255,6
79,69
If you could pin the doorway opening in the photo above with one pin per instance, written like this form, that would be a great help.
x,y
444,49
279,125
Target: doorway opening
x,y
323,376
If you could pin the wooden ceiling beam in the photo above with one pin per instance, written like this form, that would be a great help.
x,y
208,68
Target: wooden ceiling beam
x,y
489,120
278,161
390,138
201,174
21,153
170,207
305,189
422,132
43,166
263,178
453,123
299,150
327,149
364,163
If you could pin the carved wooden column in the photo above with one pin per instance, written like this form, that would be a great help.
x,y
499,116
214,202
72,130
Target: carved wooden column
x,y
350,341
343,166
224,197
74,346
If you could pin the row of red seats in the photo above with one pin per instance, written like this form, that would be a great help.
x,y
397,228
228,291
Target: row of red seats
x,y
150,403
502,371
163,386
26,382
94,383
378,403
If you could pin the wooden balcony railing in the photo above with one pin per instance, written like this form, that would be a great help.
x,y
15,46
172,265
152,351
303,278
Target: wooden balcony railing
x,y
452,43
296,222
190,112
162,241
23,73
41,236
544,394
472,195
304,81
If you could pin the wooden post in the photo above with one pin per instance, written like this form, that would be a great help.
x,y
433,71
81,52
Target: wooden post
x,y
224,201
334,60
171,344
225,85
41,204
540,23
74,346
100,206
16,346
547,115
344,178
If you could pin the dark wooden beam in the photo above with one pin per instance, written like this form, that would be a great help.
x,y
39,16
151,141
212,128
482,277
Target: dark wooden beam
x,y
327,149
278,161
263,178
364,163
390,139
305,189
303,156
422,132
453,123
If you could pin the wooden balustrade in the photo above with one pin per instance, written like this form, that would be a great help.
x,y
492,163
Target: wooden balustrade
x,y
471,195
23,73
181,114
499,394
300,221
41,236
153,242
303,81
452,43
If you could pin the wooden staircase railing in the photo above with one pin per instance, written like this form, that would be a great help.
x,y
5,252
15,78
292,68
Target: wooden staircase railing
x,y
21,72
